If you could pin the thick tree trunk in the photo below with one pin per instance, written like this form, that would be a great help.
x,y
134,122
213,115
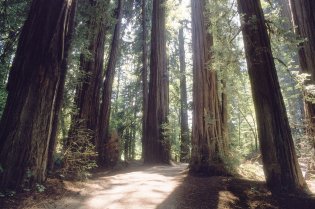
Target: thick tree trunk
x,y
145,84
34,80
104,158
59,98
207,140
156,145
304,22
87,98
184,129
281,168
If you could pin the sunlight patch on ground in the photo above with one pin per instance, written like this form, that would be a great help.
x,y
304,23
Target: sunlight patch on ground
x,y
140,189
226,198
128,189
252,171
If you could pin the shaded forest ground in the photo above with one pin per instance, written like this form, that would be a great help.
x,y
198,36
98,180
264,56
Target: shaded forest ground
x,y
161,187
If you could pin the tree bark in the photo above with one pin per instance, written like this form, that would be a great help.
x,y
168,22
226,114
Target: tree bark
x,y
34,80
156,145
304,22
103,129
59,98
281,168
207,140
87,98
184,129
145,84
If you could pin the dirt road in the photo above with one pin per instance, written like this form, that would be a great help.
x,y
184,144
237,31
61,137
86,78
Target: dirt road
x,y
163,187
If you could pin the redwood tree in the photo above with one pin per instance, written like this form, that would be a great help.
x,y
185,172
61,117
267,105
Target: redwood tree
x,y
34,80
145,84
304,22
60,91
156,145
279,159
87,98
207,141
184,129
104,116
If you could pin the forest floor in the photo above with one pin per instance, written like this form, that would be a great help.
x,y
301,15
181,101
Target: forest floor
x,y
160,187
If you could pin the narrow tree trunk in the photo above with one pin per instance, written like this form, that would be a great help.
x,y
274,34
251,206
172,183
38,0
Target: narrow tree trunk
x,y
145,85
281,168
87,99
184,129
59,98
207,141
34,80
104,116
224,116
156,146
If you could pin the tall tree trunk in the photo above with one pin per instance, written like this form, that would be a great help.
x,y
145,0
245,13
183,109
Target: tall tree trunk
x,y
224,115
184,129
304,22
145,85
207,140
87,97
156,145
104,116
281,168
59,98
34,80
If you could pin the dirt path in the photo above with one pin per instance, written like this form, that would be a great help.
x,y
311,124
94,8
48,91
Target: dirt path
x,y
163,187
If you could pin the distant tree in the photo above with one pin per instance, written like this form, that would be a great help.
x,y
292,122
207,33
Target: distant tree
x,y
208,146
105,110
34,80
184,135
279,159
156,145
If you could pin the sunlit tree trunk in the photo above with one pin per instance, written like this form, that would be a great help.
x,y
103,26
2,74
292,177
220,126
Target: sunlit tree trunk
x,y
104,158
156,145
207,141
35,77
281,168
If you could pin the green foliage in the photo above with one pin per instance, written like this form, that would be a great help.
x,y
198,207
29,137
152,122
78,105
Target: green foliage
x,y
3,98
12,16
8,193
231,161
229,63
171,132
40,188
1,169
294,85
